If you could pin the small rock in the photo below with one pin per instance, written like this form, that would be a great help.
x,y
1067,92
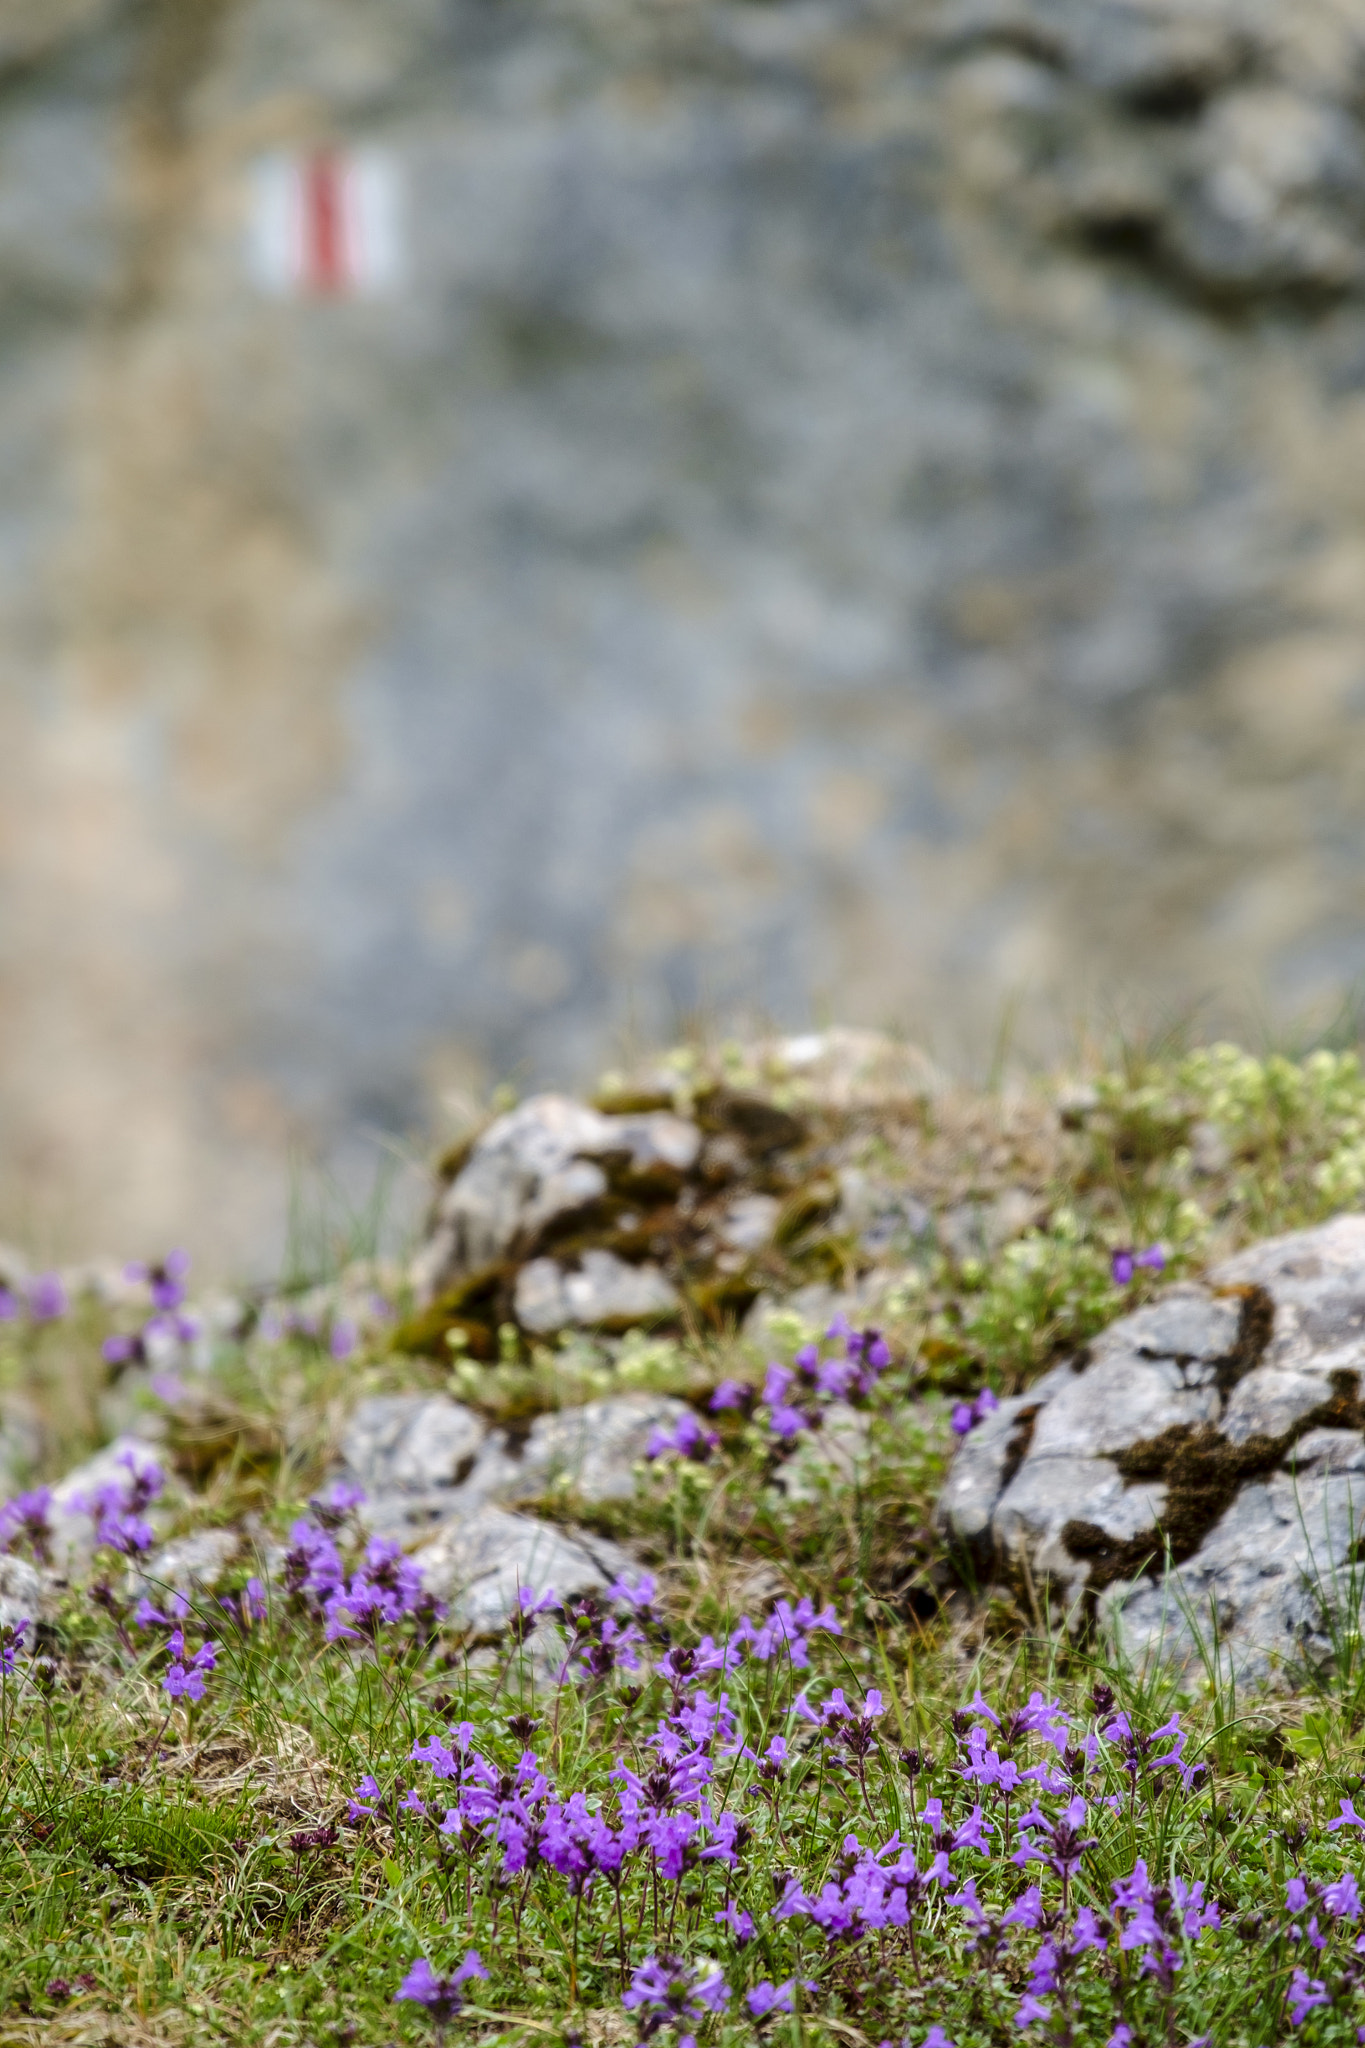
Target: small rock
x,y
833,1455
479,1564
605,1293
24,1592
411,1443
974,1230
194,1561
594,1450
749,1222
886,1221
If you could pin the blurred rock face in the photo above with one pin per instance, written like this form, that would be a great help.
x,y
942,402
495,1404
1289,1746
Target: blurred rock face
x,y
854,507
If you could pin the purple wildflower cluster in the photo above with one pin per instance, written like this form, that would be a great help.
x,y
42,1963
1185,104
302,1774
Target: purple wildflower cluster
x,y
187,1670
968,1414
1321,1920
794,1397
339,1333
43,1299
441,1997
666,1992
118,1509
1039,1758
362,1593
169,1327
1010,1859
26,1522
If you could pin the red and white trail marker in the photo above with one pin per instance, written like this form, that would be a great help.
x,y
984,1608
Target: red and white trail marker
x,y
326,224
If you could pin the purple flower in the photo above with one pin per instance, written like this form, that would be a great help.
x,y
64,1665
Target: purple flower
x,y
766,1999
9,1307
25,1519
47,1299
973,1832
185,1679
385,1587
665,1991
788,1628
343,1339
1347,1818
687,1439
1086,1934
1027,1910
967,1414
731,1394
443,1997
122,1349
1124,1262
357,1811
1342,1897
11,1644
1305,1993
936,2038
116,1509
638,1597
739,1922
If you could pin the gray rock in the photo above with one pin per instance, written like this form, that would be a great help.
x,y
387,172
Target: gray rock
x,y
1122,1397
749,1222
25,1592
479,1564
886,1221
977,1475
590,1452
193,1562
1275,1581
1328,1450
1275,1573
411,1443
1268,1402
593,1451
545,1159
1048,1492
603,1292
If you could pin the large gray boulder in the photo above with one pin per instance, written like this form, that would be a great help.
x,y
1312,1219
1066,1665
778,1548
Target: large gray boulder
x,y
1198,1473
823,468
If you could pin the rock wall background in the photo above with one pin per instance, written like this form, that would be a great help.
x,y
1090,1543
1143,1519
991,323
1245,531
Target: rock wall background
x,y
858,508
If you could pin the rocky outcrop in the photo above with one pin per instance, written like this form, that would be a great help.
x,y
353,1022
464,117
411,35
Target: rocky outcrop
x,y
702,1191
847,502
1198,1474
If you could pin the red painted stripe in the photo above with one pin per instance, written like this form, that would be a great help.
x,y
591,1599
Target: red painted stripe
x,y
324,251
